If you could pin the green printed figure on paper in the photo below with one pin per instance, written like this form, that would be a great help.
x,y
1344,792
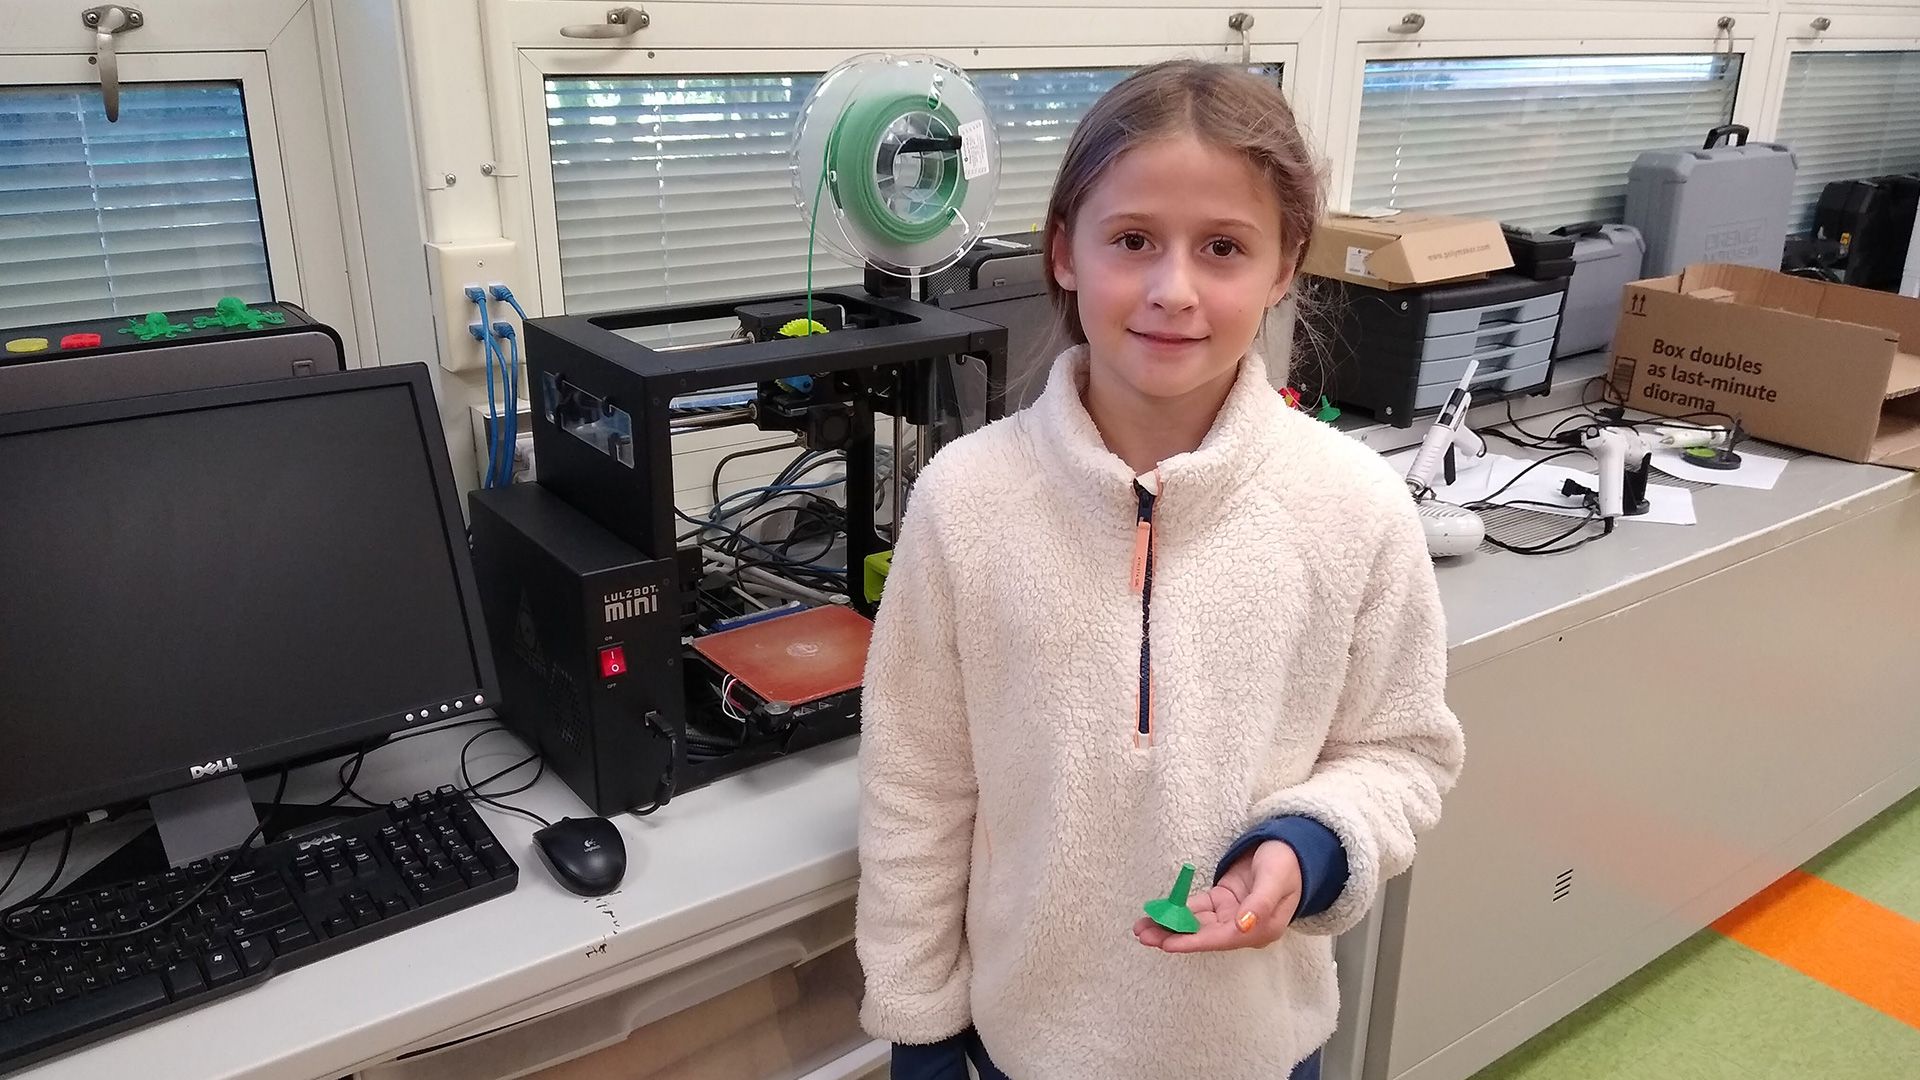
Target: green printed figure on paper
x,y
155,325
231,311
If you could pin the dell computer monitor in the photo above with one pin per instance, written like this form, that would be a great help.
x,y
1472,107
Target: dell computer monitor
x,y
225,580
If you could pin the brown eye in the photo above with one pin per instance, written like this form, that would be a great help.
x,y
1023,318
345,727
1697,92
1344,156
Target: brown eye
x,y
1223,247
1133,241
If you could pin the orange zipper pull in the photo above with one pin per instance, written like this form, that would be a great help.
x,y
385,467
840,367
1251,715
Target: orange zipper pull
x,y
1142,543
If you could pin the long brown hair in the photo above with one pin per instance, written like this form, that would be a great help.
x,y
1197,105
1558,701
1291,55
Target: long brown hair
x,y
1220,104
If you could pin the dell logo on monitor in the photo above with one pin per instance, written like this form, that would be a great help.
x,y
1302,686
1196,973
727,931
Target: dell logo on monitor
x,y
212,768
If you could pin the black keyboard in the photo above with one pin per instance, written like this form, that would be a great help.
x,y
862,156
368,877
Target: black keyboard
x,y
284,904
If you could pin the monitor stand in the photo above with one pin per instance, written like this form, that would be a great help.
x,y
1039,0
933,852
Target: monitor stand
x,y
197,822
203,819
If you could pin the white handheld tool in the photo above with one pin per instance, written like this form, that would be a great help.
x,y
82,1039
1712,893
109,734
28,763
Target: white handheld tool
x,y
1450,530
1621,454
1680,438
1449,432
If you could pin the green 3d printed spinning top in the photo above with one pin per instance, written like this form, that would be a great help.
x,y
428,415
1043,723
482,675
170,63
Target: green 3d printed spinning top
x,y
1172,911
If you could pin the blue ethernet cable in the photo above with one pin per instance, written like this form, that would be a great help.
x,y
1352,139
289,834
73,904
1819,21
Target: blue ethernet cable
x,y
496,450
505,330
492,410
501,292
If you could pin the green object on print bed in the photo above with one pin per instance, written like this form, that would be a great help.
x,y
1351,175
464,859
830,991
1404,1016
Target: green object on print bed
x,y
874,573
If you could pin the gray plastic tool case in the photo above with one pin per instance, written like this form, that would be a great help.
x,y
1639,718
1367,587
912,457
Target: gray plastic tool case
x,y
1606,259
1725,204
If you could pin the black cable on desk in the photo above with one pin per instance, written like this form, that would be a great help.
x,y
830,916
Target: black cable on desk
x,y
1489,500
474,789
354,763
59,867
1546,547
32,838
1588,415
1535,442
25,850
226,868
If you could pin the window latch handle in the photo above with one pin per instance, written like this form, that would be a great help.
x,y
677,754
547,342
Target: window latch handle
x,y
106,21
621,22
1242,22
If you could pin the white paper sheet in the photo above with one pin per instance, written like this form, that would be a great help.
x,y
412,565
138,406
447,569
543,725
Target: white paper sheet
x,y
1759,473
1474,478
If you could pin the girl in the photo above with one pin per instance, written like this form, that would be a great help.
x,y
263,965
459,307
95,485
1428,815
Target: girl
x,y
1158,617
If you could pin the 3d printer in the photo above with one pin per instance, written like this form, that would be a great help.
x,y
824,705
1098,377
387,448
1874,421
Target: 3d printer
x,y
646,650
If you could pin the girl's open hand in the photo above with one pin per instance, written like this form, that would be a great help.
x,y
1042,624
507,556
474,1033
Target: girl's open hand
x,y
1249,909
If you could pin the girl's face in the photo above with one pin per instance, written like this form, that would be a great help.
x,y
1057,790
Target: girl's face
x,y
1174,258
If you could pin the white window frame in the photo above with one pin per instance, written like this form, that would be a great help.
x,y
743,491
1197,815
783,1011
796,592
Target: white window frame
x,y
1846,33
812,39
271,49
1367,34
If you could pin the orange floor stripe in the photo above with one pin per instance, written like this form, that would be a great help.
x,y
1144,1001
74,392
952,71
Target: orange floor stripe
x,y
1827,933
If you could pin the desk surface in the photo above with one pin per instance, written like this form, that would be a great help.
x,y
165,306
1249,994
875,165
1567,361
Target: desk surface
x,y
774,844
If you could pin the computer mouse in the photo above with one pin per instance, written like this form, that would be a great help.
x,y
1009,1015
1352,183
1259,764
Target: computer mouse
x,y
585,855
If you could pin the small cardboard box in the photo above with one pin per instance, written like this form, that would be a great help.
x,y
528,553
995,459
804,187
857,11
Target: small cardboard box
x,y
1407,247
1824,367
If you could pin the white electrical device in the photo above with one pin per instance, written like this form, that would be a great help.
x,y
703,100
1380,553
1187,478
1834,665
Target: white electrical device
x,y
1451,530
1621,455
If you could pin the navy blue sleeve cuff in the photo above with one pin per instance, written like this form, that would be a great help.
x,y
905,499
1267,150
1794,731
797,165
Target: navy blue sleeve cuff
x,y
944,1060
1323,860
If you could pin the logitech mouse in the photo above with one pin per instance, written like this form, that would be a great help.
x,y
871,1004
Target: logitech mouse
x,y
585,855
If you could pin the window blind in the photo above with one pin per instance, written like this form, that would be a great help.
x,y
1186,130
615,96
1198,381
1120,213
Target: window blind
x,y
676,190
1034,114
1539,141
1849,115
155,212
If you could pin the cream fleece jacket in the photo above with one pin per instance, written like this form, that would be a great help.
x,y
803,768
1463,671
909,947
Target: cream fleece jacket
x,y
1012,823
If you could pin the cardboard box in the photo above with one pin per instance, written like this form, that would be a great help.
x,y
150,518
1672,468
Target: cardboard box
x,y
1406,248
1824,367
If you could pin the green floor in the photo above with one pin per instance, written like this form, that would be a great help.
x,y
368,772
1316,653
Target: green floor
x,y
1714,1010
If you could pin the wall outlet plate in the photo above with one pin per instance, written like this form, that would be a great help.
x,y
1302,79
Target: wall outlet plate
x,y
454,266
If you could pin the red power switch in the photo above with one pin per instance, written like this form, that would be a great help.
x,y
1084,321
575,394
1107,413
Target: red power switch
x,y
80,341
613,661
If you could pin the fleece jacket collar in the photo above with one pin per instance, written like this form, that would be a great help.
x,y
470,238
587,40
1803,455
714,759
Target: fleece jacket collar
x,y
1235,448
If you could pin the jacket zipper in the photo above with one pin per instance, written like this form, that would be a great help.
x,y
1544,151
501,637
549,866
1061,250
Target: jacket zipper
x,y
1143,565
